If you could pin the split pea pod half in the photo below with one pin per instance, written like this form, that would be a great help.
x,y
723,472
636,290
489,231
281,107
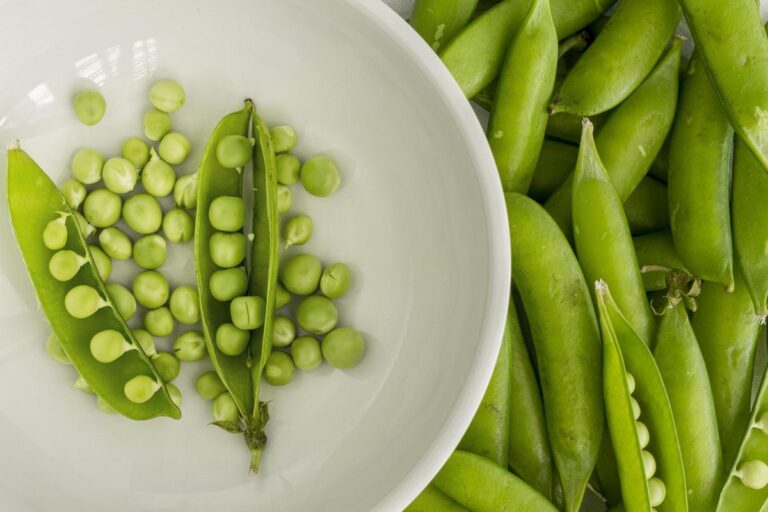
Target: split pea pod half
x,y
566,341
432,500
83,316
656,256
437,21
519,116
640,421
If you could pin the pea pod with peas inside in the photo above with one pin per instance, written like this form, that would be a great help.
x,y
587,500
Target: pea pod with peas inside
x,y
79,309
437,21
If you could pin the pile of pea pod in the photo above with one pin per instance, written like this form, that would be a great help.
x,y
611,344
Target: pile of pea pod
x,y
636,181
245,311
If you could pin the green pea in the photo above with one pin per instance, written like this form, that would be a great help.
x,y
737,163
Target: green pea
x,y
643,436
136,151
320,176
167,95
102,261
649,464
185,305
89,107
185,191
288,168
54,349
142,213
284,199
146,342
283,331
108,345
297,231
85,228
159,322
174,148
82,385
115,243
306,353
227,213
225,409
657,491
158,177
74,193
190,346
227,249
753,474
120,175
123,299
209,385
301,274
178,226
282,296
140,389
343,347
104,406
284,138
167,366
316,314
279,369
335,280
228,283
82,301
55,233
86,166
234,151
231,340
175,393
157,124
150,252
151,289
102,208
65,264
247,312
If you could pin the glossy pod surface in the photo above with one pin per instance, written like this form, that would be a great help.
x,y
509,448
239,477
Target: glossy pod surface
x,y
432,500
437,21
656,250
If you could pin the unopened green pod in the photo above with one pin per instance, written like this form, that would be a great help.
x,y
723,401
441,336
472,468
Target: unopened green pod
x,y
656,256
647,208
432,500
437,21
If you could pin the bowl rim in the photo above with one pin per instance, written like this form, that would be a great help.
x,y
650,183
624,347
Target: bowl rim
x,y
500,267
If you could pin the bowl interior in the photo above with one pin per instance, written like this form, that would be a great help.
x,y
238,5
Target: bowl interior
x,y
418,218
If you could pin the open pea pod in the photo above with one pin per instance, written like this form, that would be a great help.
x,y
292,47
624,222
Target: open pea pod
x,y
624,354
34,201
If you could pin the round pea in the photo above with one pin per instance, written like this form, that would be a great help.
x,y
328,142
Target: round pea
x,y
104,406
753,474
643,436
55,233
151,289
146,342
283,331
85,228
142,213
279,369
185,191
228,283
115,243
657,491
317,314
301,274
157,124
123,299
136,151
65,264
74,193
227,213
89,107
174,393
320,176
306,353
102,208
284,199
108,345
247,312
174,148
150,251
284,138
630,383
86,166
190,346
167,95
224,409
288,168
54,349
185,305
649,464
343,347
231,340
234,151
335,280
178,226
167,366
209,385
635,407
282,296
158,177
140,389
297,231
102,261
227,249
120,175
159,322
82,301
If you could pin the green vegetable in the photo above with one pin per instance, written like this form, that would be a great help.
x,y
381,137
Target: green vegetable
x,y
185,305
185,191
151,289
234,151
283,138
158,177
335,280
150,252
141,389
297,230
65,264
343,347
83,301
320,176
306,353
225,409
282,296
279,369
89,107
283,331
87,165
108,345
74,192
54,349
316,314
437,21
178,226
119,175
142,213
229,283
301,274
227,213
167,366
230,340
227,250
284,199
288,168
159,322
102,208
174,148
209,385
136,151
247,312
157,124
167,95
123,299
115,243
190,346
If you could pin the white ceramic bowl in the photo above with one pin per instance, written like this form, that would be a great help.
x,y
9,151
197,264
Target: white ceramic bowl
x,y
419,218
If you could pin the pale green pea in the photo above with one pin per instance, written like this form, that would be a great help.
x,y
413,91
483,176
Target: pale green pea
x,y
283,331
247,312
175,393
317,314
55,233
104,406
108,345
120,175
102,261
320,176
209,385
123,299
234,151
224,409
301,274
136,151
643,436
158,177
284,138
82,301
335,280
284,199
159,322
227,249
167,366
151,289
174,148
185,191
85,228
142,213
141,389
657,491
115,243
185,305
86,166
81,385
150,252
649,464
146,342
157,124
288,168
102,208
306,353
297,231
282,296
229,283
344,347
54,349
279,369
167,95
65,264
231,340
753,474
190,346
89,107
74,193
178,226
635,408
227,213
630,383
